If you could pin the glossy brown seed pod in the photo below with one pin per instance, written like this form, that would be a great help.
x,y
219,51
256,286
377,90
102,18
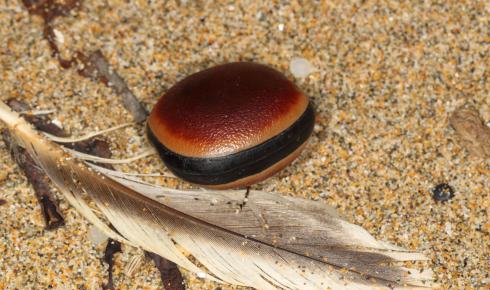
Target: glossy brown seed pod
x,y
231,125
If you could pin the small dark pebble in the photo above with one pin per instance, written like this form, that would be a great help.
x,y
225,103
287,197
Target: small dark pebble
x,y
442,192
3,201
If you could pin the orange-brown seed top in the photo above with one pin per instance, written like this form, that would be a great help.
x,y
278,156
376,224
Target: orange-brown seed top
x,y
226,109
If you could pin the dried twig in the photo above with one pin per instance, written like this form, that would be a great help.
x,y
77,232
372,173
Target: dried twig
x,y
95,65
472,132
97,68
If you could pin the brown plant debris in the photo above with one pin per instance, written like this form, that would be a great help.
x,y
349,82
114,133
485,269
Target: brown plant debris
x,y
40,181
95,66
40,122
35,175
472,132
48,10
112,248
171,277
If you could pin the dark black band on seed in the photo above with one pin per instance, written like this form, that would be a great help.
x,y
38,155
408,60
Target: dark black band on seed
x,y
226,169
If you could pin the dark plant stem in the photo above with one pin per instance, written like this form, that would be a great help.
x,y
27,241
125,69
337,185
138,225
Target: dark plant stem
x,y
112,248
171,277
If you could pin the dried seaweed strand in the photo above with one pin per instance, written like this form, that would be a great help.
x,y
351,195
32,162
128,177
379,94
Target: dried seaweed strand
x,y
95,66
112,248
36,176
171,277
40,181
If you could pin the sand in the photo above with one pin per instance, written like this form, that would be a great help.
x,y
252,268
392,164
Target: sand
x,y
389,76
